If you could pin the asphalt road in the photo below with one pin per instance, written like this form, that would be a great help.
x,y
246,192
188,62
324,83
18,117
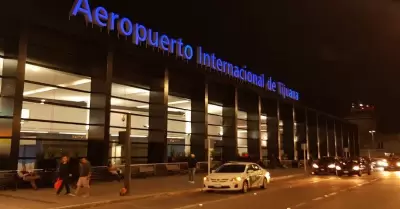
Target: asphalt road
x,y
380,190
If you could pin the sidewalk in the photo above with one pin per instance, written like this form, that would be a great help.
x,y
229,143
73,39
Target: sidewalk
x,y
103,193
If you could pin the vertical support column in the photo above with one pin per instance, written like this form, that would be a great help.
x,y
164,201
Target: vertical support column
x,y
348,142
335,138
295,138
327,138
100,104
342,139
229,124
278,117
307,135
318,138
272,131
354,144
158,119
254,129
12,87
199,121
288,128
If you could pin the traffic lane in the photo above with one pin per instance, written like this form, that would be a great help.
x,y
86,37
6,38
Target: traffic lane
x,y
285,197
172,201
382,194
275,190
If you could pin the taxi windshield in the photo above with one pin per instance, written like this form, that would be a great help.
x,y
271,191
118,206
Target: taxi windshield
x,y
231,169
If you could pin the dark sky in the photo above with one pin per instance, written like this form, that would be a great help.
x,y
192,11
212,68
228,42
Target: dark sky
x,y
332,51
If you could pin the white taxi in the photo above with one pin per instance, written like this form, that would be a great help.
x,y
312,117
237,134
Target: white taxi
x,y
237,176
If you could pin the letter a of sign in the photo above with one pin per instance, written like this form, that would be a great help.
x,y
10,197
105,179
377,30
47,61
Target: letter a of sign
x,y
82,6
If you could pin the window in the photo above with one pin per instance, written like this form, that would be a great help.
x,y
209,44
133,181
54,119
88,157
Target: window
x,y
55,114
242,133
264,136
179,126
215,130
133,101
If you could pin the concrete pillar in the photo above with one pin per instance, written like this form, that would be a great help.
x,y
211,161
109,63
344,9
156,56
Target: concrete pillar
x,y
199,121
229,121
100,104
158,118
254,127
318,136
12,87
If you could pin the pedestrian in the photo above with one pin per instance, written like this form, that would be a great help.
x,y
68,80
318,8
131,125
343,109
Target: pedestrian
x,y
64,176
192,164
85,170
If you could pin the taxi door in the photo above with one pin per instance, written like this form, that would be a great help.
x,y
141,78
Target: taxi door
x,y
258,173
253,175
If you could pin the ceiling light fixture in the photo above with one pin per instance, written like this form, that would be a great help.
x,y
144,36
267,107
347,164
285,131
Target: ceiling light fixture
x,y
44,89
169,103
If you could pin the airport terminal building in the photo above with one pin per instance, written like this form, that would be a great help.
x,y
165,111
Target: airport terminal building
x,y
72,71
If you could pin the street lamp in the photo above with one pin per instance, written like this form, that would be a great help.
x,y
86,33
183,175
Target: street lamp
x,y
372,132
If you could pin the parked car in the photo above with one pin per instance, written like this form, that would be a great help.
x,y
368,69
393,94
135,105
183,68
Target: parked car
x,y
237,176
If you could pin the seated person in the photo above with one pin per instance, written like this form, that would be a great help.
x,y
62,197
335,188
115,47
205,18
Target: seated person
x,y
28,176
114,171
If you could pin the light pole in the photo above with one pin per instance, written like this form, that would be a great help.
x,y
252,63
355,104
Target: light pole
x,y
372,132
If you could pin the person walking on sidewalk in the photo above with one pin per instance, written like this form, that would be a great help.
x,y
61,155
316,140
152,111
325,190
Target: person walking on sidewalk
x,y
85,170
192,163
64,176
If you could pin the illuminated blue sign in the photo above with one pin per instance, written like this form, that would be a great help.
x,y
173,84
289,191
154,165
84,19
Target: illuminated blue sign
x,y
140,34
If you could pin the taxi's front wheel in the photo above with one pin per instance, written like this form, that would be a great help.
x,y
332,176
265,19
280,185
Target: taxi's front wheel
x,y
264,185
245,187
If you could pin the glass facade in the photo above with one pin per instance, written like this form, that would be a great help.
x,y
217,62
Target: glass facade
x,y
53,103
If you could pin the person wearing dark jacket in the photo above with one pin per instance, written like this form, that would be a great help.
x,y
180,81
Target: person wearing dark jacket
x,y
64,174
192,164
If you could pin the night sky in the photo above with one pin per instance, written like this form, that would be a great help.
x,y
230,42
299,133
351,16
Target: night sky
x,y
333,51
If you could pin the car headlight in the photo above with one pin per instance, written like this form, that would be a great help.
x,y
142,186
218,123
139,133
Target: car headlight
x,y
315,165
338,168
205,179
398,164
381,163
356,168
267,175
331,166
237,179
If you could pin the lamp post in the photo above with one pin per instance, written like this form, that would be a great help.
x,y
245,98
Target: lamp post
x,y
372,132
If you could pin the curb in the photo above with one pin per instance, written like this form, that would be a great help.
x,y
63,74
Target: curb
x,y
125,199
130,198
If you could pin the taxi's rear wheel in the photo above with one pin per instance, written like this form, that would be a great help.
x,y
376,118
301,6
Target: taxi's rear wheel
x,y
245,187
359,173
264,185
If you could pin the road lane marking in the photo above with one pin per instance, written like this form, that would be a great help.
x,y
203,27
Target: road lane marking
x,y
318,198
300,204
